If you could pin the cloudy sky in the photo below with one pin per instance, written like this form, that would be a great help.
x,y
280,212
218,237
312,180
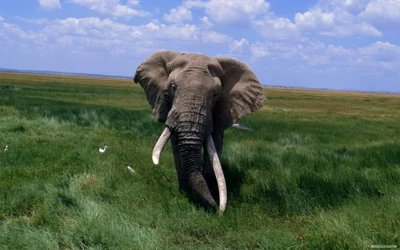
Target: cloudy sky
x,y
335,44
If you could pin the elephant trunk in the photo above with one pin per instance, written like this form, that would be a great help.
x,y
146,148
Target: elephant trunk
x,y
189,148
191,127
190,151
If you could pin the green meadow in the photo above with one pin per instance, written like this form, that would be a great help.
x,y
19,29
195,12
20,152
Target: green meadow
x,y
319,170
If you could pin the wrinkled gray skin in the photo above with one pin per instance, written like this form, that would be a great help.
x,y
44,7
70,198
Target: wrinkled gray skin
x,y
195,95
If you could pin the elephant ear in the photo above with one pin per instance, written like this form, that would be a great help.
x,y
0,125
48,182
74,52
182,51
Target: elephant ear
x,y
152,75
241,92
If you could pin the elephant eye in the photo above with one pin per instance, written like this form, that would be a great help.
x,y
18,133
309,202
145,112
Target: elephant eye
x,y
216,95
173,86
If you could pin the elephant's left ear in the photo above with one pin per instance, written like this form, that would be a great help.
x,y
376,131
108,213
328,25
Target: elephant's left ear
x,y
152,74
241,91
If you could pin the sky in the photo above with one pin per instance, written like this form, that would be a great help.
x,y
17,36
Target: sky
x,y
333,44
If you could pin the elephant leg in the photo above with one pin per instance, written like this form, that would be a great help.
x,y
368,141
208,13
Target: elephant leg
x,y
208,170
182,177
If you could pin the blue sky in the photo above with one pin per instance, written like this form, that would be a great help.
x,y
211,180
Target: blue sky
x,y
335,44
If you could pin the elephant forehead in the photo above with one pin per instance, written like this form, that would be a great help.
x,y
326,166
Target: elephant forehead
x,y
202,62
196,57
188,61
197,60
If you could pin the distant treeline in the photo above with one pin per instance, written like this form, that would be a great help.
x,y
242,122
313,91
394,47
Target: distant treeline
x,y
60,73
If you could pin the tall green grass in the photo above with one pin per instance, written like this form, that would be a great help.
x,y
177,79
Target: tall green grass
x,y
319,170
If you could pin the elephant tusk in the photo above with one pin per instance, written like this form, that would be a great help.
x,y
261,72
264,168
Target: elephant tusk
x,y
219,174
158,148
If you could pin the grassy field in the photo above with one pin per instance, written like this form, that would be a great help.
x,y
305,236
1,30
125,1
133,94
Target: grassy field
x,y
319,170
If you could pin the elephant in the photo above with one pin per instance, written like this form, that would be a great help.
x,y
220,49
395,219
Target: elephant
x,y
197,97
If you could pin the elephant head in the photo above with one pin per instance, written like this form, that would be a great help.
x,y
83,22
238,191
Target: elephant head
x,y
197,97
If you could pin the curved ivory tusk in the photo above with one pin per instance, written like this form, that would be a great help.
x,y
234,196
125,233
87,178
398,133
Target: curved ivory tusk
x,y
219,174
158,148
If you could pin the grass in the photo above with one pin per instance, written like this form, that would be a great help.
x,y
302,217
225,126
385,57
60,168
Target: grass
x,y
319,170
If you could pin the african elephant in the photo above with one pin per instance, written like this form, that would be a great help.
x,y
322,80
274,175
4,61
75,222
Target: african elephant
x,y
197,97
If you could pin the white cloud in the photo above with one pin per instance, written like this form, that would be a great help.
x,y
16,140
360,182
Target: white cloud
x,y
152,26
83,36
238,46
314,20
336,21
279,50
179,33
361,28
132,3
13,34
50,4
383,14
39,21
353,7
272,27
231,13
112,8
178,15
364,17
336,18
91,35
205,20
312,53
381,55
214,37
258,50
377,58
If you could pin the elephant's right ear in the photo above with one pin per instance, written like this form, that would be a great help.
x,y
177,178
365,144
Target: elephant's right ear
x,y
152,75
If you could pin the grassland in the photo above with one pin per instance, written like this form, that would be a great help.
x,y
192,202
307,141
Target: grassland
x,y
319,170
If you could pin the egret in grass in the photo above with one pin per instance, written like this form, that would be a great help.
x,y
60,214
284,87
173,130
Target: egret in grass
x,y
6,149
102,150
240,126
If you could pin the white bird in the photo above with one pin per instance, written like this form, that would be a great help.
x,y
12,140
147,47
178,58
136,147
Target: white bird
x,y
240,126
102,150
131,169
6,149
